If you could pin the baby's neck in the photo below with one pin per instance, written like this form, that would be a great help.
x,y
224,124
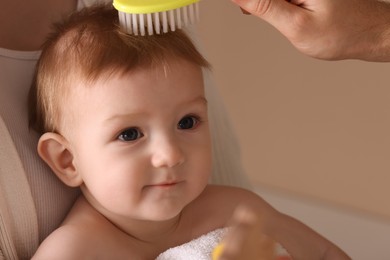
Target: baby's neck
x,y
145,231
151,232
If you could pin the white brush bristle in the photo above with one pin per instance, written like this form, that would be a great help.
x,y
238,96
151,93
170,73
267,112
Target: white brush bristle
x,y
157,23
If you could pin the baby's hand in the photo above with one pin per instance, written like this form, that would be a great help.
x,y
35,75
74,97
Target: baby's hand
x,y
245,240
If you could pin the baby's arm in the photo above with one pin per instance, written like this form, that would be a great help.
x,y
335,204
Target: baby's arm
x,y
255,217
302,242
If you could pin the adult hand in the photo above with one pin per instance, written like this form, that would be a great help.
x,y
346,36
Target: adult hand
x,y
329,29
245,240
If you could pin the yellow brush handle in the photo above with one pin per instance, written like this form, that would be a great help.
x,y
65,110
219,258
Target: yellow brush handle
x,y
217,251
150,6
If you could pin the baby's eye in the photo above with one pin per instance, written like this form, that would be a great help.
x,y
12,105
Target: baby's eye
x,y
130,134
188,122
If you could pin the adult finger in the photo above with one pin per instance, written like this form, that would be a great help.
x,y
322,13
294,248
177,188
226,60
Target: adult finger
x,y
279,13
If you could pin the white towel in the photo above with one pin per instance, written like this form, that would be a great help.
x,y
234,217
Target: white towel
x,y
197,249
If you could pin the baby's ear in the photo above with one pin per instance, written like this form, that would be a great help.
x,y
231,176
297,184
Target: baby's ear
x,y
54,150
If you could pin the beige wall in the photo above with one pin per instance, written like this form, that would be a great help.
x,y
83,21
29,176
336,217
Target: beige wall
x,y
311,127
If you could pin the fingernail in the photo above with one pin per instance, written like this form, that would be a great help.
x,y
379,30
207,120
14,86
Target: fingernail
x,y
244,11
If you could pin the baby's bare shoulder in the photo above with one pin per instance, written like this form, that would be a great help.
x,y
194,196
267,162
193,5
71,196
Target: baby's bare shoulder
x,y
85,234
225,199
66,242
232,195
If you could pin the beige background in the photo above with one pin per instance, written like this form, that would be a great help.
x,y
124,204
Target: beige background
x,y
314,128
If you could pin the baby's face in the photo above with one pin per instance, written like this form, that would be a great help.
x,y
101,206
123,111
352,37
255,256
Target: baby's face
x,y
141,141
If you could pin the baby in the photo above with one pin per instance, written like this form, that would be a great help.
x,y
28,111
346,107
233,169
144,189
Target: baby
x,y
125,118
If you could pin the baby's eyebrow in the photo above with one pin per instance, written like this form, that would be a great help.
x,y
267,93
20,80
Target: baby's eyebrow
x,y
200,99
197,100
123,116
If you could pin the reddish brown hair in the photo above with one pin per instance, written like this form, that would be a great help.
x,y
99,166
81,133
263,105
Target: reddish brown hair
x,y
88,45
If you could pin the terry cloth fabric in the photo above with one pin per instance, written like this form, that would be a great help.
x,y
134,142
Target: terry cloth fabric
x,y
197,249
201,248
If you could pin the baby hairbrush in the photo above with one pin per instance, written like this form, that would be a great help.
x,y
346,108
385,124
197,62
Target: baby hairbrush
x,y
139,17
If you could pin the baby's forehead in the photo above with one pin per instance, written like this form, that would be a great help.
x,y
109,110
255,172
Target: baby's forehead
x,y
117,86
164,68
176,82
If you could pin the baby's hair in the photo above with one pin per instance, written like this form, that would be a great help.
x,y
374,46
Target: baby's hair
x,y
90,45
